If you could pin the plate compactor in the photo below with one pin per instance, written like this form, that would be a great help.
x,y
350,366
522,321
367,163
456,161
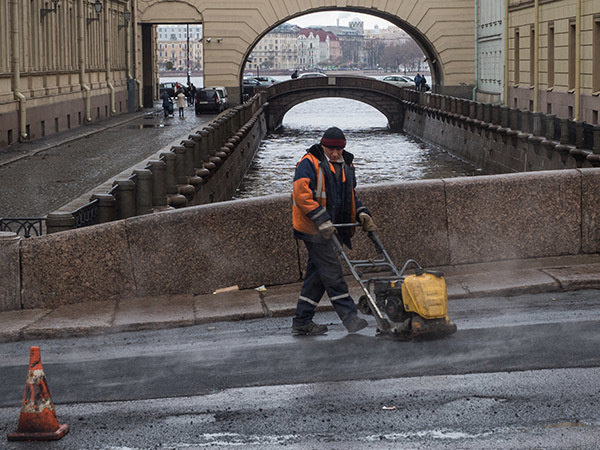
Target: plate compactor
x,y
416,305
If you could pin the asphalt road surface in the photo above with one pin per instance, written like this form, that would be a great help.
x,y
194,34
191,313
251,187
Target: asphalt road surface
x,y
521,372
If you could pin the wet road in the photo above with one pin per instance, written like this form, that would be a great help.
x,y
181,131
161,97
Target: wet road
x,y
41,183
522,372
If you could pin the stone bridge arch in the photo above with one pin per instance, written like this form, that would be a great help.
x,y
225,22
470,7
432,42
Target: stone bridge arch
x,y
444,30
384,97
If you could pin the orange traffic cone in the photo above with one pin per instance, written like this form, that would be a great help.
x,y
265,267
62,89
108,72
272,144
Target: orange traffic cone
x,y
38,420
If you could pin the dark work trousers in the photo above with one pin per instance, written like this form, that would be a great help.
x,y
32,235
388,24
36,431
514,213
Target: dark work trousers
x,y
323,274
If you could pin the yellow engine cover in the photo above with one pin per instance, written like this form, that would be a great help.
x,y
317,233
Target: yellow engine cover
x,y
426,295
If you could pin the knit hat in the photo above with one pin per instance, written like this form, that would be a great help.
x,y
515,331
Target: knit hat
x,y
333,137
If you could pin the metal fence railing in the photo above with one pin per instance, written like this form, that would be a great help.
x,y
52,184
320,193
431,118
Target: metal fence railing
x,y
23,226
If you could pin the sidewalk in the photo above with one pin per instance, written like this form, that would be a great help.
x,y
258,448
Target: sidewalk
x,y
21,150
44,175
504,278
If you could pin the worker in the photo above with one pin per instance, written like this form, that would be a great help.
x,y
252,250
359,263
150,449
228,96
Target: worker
x,y
324,194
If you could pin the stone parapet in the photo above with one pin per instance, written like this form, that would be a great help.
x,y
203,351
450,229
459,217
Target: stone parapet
x,y
249,243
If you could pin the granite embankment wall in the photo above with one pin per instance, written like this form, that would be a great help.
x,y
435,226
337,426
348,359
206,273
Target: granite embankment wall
x,y
206,167
249,242
500,139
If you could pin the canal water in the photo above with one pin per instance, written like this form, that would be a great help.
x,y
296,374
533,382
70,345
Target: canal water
x,y
379,154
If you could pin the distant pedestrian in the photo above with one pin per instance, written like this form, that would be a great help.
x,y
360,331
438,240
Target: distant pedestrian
x,y
192,94
417,81
422,84
166,102
181,101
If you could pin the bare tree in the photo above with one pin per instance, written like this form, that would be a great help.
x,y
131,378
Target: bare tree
x,y
407,54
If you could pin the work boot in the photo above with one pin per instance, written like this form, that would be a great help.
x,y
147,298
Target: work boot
x,y
355,324
310,329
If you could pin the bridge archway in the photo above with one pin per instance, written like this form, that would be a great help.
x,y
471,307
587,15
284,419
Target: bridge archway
x,y
432,57
171,12
384,97
443,30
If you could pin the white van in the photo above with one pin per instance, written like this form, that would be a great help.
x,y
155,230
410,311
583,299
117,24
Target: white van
x,y
222,91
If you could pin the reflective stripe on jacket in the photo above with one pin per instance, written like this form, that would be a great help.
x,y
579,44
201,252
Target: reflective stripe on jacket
x,y
319,196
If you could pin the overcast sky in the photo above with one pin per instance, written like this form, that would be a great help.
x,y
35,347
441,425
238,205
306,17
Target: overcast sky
x,y
330,18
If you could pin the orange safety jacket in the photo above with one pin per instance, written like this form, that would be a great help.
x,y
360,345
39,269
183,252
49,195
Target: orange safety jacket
x,y
319,195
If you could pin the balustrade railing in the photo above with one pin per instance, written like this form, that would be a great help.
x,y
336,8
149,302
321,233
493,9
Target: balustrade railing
x,y
23,226
86,215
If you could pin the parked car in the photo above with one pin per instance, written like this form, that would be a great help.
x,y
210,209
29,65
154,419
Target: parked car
x,y
222,91
169,87
249,86
399,80
312,75
266,80
207,100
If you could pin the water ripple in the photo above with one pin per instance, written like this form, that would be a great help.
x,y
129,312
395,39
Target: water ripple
x,y
380,155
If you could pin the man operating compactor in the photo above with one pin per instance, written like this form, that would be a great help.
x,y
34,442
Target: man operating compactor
x,y
324,195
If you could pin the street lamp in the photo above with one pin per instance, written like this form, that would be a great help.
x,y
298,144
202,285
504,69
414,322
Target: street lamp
x,y
250,60
98,9
127,17
187,51
45,11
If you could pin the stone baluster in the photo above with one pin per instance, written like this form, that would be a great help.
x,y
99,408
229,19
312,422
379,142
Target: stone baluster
x,y
515,115
143,192
175,199
550,127
579,137
496,115
10,272
480,115
180,172
211,139
204,153
596,146
106,207
564,131
537,123
472,110
197,154
170,178
126,198
486,113
59,221
189,145
505,116
159,183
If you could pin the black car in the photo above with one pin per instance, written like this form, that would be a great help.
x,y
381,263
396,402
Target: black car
x,y
250,86
207,100
168,87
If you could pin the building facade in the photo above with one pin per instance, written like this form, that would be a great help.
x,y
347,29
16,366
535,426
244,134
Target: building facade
x,y
63,63
554,57
276,50
178,43
490,50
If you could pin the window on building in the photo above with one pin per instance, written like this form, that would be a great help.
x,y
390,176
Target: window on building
x,y
596,57
517,56
550,55
572,32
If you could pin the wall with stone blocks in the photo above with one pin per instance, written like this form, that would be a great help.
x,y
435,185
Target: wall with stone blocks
x,y
249,242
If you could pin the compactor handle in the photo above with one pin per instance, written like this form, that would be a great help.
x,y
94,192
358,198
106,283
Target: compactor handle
x,y
372,235
376,242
